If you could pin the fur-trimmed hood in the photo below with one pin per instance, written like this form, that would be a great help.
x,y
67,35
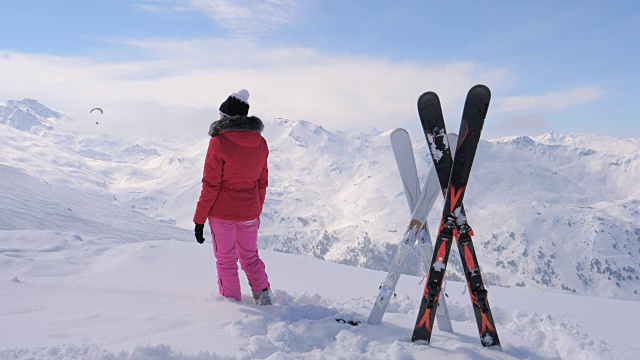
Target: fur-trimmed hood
x,y
236,123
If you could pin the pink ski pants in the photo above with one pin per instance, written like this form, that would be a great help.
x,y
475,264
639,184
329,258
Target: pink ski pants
x,y
233,241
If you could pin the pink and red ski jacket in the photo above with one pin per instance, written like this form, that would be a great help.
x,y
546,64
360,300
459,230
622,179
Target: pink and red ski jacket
x,y
235,176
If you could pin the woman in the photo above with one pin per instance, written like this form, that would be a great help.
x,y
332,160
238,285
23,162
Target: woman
x,y
234,186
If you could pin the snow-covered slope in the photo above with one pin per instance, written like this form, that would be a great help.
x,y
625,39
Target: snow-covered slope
x,y
560,216
156,300
29,204
554,211
44,226
83,279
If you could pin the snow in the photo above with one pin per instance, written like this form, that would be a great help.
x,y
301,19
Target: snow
x,y
85,273
534,202
157,298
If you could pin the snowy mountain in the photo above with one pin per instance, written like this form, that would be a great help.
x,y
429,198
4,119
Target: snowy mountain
x,y
81,278
549,212
27,115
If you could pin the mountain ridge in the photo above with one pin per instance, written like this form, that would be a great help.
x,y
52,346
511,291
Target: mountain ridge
x,y
549,211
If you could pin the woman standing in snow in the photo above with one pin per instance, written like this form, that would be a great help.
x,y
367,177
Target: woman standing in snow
x,y
234,186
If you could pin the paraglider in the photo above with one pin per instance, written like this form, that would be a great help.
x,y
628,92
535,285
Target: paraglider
x,y
96,109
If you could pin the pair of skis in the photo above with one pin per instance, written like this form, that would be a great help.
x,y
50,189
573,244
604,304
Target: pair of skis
x,y
420,204
452,175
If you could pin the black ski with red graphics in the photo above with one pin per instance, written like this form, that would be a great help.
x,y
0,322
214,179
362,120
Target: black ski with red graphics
x,y
453,175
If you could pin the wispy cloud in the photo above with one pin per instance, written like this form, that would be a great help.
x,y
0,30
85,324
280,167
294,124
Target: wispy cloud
x,y
241,17
551,100
162,6
191,78
340,92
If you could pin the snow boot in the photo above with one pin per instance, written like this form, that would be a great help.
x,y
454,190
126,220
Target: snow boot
x,y
263,297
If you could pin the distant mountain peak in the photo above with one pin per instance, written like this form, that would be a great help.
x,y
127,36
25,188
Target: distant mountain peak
x,y
520,141
33,106
551,138
27,115
293,123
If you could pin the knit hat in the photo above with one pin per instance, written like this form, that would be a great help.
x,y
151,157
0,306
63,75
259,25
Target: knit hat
x,y
236,104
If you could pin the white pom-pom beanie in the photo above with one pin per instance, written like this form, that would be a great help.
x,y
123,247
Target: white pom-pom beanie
x,y
236,104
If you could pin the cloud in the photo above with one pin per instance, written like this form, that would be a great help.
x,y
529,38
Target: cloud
x,y
241,17
159,7
551,100
339,92
177,86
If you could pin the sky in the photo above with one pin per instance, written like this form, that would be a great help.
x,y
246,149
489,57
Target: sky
x,y
164,66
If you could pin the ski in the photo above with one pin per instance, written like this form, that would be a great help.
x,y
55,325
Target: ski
x,y
434,128
420,203
453,176
403,153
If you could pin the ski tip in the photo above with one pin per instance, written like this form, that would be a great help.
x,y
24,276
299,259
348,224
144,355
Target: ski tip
x,y
399,131
480,88
429,95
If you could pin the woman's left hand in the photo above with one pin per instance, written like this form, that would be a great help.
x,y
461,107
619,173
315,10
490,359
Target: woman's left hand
x,y
199,232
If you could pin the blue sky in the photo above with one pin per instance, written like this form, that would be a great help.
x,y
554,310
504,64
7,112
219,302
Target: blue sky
x,y
562,66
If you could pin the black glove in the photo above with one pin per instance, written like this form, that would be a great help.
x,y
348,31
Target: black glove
x,y
199,233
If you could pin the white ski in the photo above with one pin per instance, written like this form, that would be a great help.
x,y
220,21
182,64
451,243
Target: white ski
x,y
420,203
403,152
